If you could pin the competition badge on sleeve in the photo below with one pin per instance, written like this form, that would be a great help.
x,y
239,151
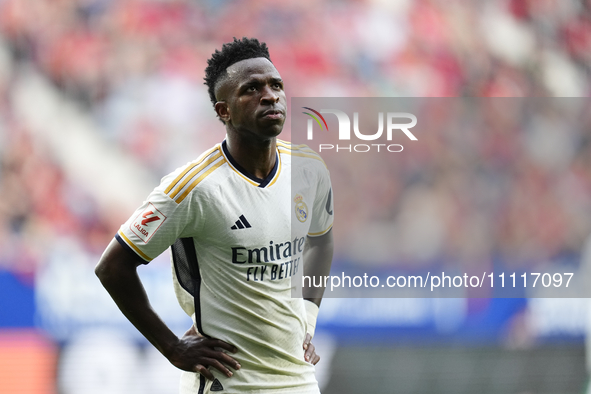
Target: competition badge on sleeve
x,y
147,222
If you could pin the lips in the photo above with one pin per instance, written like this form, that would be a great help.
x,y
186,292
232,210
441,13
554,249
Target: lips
x,y
273,113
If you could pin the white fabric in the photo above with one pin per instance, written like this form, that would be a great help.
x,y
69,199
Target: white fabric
x,y
245,293
311,315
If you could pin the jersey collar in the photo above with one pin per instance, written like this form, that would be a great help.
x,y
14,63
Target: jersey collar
x,y
267,181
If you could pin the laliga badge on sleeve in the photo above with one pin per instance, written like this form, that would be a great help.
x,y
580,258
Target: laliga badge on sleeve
x,y
147,222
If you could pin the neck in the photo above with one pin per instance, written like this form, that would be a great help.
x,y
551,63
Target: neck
x,y
255,156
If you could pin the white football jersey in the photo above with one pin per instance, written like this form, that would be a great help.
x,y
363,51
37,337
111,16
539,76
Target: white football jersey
x,y
236,243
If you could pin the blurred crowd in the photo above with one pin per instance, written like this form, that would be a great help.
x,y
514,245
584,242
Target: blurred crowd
x,y
40,208
137,66
489,181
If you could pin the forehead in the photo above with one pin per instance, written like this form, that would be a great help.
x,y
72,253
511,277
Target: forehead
x,y
259,67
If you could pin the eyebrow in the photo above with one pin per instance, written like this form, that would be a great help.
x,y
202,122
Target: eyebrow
x,y
256,81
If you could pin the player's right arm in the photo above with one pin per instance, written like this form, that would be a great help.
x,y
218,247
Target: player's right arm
x,y
117,271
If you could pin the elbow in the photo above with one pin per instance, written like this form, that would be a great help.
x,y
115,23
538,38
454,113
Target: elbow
x,y
107,264
115,264
104,271
100,271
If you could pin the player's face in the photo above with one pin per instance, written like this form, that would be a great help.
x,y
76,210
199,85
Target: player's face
x,y
252,100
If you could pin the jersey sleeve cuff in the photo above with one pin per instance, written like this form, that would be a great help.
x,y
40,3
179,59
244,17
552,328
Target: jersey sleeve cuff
x,y
127,244
320,233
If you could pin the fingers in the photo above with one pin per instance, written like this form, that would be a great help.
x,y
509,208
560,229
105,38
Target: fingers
x,y
310,354
315,360
224,358
307,341
212,342
204,371
197,353
217,360
212,362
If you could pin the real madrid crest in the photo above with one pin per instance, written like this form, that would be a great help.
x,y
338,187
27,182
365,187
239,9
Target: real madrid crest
x,y
301,209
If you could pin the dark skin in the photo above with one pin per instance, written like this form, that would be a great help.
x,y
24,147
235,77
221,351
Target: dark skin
x,y
117,271
252,104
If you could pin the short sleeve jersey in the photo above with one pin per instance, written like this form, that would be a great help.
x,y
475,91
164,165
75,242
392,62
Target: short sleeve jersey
x,y
236,243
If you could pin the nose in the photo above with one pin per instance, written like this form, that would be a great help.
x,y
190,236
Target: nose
x,y
269,95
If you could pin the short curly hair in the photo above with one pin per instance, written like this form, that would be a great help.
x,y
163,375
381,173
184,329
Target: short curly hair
x,y
232,52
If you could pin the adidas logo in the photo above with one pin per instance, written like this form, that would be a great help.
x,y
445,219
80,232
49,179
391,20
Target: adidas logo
x,y
241,223
216,386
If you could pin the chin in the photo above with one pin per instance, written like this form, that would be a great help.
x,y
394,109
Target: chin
x,y
273,131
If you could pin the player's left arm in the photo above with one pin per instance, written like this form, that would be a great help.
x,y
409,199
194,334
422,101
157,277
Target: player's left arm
x,y
317,254
318,259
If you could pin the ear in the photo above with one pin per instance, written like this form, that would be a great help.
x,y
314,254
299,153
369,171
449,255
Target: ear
x,y
221,108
